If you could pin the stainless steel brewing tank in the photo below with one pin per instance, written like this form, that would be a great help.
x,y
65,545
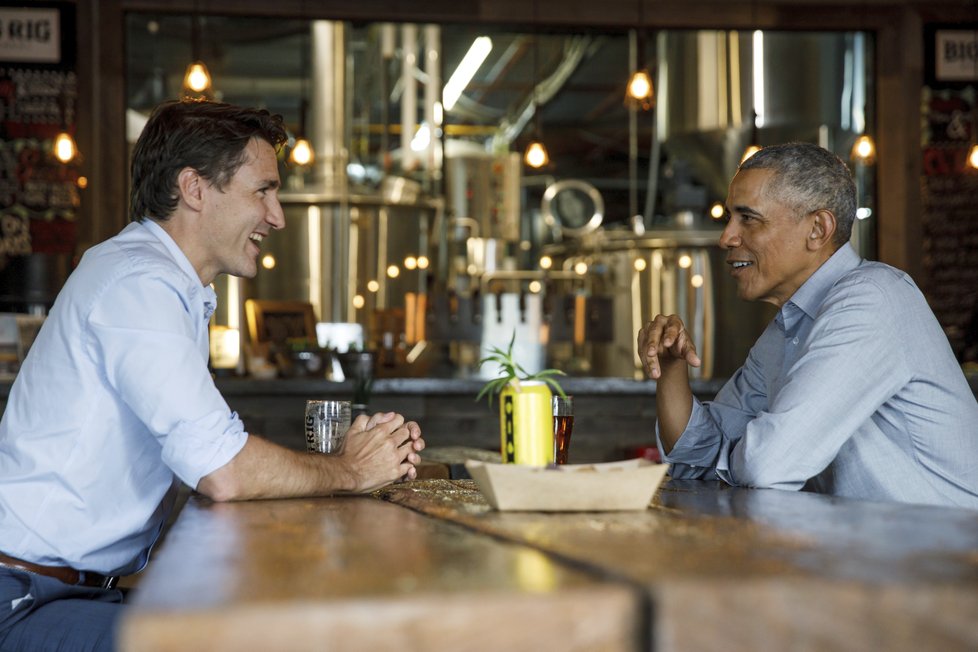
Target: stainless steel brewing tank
x,y
680,272
334,250
808,86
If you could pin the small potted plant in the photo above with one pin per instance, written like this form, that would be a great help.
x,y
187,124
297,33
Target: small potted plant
x,y
525,412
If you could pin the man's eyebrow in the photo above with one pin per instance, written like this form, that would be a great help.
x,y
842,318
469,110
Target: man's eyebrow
x,y
746,210
269,184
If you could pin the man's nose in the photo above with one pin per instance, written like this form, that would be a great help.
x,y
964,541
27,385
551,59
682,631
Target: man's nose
x,y
276,216
730,238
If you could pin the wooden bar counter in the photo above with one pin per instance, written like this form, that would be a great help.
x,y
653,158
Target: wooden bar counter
x,y
428,565
356,573
727,568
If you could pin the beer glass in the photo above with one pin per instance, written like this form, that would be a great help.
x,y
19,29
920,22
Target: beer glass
x,y
563,425
326,425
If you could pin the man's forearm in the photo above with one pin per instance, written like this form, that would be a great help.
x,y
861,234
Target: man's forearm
x,y
265,470
673,402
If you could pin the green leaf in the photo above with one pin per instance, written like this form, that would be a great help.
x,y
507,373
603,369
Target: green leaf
x,y
510,370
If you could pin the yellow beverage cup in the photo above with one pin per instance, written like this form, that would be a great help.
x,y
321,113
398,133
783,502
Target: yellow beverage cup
x,y
526,423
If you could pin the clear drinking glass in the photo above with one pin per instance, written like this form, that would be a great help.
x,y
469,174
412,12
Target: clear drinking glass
x,y
563,425
326,425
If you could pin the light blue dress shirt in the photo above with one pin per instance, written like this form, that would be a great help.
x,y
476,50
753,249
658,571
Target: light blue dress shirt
x,y
852,390
113,401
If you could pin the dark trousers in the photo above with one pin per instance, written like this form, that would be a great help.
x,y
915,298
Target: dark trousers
x,y
41,614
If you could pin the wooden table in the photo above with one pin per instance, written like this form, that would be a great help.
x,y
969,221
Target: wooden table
x,y
356,573
725,568
707,567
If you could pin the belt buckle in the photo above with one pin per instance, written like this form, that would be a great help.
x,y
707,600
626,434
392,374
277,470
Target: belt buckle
x,y
109,581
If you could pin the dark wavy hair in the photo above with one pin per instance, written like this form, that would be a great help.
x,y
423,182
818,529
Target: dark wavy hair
x,y
210,137
809,178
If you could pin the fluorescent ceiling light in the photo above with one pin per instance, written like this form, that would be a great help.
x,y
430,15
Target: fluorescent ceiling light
x,y
758,56
480,49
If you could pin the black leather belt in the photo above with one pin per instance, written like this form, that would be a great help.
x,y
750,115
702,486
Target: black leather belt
x,y
65,574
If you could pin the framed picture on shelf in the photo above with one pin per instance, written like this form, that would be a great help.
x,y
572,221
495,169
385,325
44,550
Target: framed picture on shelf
x,y
278,321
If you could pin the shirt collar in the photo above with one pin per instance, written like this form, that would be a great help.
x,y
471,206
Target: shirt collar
x,y
810,296
208,297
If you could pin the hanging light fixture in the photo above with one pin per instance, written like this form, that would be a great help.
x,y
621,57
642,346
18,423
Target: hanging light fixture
x,y
302,153
536,155
973,156
196,79
639,90
65,149
753,147
757,87
864,150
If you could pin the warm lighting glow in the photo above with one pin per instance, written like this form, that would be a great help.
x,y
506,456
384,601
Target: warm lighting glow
x,y
472,270
717,211
640,89
750,151
640,264
423,262
685,261
302,152
580,268
64,147
373,286
864,150
82,182
358,301
268,261
696,280
197,78
478,51
546,262
534,287
973,157
225,345
393,271
410,262
536,155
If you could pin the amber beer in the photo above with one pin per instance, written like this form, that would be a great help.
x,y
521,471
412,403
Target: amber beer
x,y
526,424
563,425
563,411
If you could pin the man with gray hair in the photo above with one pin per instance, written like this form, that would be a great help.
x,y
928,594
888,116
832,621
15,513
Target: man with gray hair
x,y
852,390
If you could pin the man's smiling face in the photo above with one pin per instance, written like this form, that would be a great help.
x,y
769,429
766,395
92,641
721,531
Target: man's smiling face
x,y
766,240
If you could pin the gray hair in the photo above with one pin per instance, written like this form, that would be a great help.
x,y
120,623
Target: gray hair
x,y
808,178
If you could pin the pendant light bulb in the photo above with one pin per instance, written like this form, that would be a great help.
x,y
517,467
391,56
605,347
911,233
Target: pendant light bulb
x,y
536,155
640,88
302,153
864,150
197,78
973,157
64,147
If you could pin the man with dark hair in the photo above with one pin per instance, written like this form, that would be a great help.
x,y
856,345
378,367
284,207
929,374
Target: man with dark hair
x,y
852,390
114,405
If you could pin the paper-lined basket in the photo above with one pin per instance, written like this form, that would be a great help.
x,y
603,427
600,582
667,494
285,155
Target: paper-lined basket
x,y
611,486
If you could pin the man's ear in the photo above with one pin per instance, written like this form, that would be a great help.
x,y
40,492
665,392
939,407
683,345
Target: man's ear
x,y
191,188
823,229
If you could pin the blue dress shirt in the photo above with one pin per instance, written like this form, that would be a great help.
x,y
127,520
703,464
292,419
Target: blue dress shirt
x,y
852,390
113,401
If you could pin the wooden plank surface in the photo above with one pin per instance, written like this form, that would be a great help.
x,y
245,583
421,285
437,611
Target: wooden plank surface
x,y
741,569
357,573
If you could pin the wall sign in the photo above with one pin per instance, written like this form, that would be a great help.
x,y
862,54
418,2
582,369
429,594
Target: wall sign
x,y
30,35
39,196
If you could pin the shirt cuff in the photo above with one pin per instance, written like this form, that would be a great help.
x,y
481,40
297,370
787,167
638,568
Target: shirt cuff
x,y
698,443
